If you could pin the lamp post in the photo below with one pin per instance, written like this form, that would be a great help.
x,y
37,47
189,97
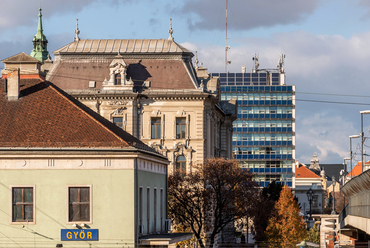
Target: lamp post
x,y
364,112
350,148
333,179
344,169
309,197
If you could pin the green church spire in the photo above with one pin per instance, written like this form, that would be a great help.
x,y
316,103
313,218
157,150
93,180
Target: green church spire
x,y
40,51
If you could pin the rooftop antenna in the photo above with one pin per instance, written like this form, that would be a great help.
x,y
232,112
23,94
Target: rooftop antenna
x,y
226,46
77,32
281,63
196,60
171,30
256,63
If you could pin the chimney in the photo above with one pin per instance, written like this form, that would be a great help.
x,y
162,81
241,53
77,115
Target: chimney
x,y
13,84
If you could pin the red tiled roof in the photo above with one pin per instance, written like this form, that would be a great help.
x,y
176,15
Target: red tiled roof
x,y
45,116
357,169
304,172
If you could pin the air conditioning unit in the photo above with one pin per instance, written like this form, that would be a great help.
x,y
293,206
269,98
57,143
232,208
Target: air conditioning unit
x,y
167,224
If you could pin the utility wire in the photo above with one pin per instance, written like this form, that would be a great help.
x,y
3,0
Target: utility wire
x,y
329,94
332,102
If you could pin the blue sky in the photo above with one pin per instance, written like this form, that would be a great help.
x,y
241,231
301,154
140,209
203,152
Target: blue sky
x,y
326,43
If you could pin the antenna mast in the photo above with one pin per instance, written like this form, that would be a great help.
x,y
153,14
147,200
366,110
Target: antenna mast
x,y
226,46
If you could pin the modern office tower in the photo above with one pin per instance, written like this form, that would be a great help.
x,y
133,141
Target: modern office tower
x,y
264,133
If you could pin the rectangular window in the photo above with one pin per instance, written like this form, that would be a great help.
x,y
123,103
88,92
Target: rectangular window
x,y
118,121
155,210
161,209
156,127
141,210
79,204
180,127
22,204
148,210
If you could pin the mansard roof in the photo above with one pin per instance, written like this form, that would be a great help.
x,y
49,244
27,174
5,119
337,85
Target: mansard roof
x,y
123,46
161,64
46,117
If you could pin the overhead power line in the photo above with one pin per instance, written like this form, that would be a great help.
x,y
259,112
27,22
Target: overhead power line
x,y
333,102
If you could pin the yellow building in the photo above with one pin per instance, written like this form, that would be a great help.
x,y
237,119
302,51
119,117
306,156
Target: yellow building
x,y
150,89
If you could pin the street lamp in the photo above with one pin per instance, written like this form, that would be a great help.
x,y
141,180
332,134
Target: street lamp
x,y
350,148
345,169
333,180
364,112
309,197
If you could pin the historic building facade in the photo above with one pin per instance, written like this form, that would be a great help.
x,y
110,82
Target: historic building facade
x,y
150,89
64,167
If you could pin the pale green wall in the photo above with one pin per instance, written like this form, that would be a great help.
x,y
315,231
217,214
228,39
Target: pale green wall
x,y
151,180
113,207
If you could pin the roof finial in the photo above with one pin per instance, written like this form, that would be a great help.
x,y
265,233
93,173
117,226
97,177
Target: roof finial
x,y
196,60
77,32
171,30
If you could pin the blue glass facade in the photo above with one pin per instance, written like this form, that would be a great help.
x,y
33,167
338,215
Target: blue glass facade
x,y
264,135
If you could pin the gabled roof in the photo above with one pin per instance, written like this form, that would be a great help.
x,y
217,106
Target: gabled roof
x,y
123,46
21,57
46,117
303,172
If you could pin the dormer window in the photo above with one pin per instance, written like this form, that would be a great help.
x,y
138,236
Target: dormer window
x,y
117,79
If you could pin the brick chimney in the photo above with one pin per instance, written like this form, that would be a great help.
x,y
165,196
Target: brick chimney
x,y
12,82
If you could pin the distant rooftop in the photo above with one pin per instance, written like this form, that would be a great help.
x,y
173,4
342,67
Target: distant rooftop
x,y
123,46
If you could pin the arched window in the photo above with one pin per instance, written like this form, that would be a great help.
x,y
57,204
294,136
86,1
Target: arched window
x,y
181,164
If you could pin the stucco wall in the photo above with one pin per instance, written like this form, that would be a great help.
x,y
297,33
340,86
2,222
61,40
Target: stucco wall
x,y
113,203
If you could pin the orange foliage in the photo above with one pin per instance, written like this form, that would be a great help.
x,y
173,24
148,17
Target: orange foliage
x,y
286,228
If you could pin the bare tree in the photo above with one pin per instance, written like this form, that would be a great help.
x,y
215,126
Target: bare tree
x,y
216,194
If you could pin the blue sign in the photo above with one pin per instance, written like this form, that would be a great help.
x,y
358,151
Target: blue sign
x,y
79,234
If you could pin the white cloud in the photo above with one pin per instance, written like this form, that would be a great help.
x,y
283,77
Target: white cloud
x,y
24,12
324,135
244,15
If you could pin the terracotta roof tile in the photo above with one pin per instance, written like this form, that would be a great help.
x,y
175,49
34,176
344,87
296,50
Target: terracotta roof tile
x,y
357,169
304,172
45,116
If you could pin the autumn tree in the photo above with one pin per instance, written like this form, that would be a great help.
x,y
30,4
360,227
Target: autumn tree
x,y
263,208
286,227
214,195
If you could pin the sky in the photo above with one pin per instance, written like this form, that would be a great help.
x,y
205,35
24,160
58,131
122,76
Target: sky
x,y
326,43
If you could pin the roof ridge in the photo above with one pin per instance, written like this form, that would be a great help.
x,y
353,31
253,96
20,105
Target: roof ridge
x,y
88,115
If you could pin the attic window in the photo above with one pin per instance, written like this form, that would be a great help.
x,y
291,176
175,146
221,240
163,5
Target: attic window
x,y
117,79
